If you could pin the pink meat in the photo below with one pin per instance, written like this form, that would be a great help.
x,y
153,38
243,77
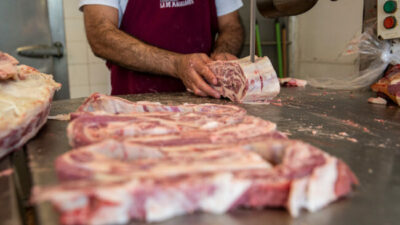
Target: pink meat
x,y
148,161
25,102
102,103
243,81
104,179
91,128
8,66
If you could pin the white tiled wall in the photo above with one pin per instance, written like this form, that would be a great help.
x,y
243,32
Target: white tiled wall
x,y
87,73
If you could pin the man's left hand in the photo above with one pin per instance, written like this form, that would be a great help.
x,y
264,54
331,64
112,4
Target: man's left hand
x,y
223,56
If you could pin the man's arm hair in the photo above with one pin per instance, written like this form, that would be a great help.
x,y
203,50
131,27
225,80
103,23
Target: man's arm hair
x,y
231,34
109,42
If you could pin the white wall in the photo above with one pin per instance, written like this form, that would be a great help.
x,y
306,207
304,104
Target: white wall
x,y
319,37
87,73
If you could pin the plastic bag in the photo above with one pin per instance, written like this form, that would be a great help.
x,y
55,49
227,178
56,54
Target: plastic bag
x,y
378,53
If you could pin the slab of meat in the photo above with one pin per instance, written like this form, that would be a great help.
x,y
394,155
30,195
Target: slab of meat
x,y
389,85
243,81
8,66
193,127
377,100
292,82
113,182
149,161
102,103
24,106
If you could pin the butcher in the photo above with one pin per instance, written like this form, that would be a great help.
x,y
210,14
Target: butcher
x,y
163,45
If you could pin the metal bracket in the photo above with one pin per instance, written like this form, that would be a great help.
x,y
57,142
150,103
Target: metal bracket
x,y
42,51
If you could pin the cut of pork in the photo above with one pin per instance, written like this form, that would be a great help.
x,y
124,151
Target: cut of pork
x,y
113,182
148,161
190,127
292,82
389,85
113,105
8,66
24,106
244,81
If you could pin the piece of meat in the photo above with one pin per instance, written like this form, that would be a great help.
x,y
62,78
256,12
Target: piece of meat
x,y
389,85
24,106
108,104
113,182
8,66
148,161
243,81
378,100
91,127
292,82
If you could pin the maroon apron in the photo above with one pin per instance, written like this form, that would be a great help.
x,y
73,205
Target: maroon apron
x,y
182,26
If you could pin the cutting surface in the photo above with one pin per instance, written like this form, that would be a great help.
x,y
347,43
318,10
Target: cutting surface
x,y
365,136
8,202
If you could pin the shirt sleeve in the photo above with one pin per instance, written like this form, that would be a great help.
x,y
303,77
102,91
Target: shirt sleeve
x,y
112,3
227,6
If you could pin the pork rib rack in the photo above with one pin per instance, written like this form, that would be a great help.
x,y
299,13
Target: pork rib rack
x,y
148,161
25,97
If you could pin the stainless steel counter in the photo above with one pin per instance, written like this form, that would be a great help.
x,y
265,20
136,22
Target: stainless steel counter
x,y
9,214
365,136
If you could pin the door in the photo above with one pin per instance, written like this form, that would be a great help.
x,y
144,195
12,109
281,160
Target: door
x,y
36,29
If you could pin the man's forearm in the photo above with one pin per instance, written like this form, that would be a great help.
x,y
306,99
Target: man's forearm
x,y
110,43
230,40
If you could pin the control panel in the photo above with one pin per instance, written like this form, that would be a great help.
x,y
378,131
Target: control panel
x,y
388,19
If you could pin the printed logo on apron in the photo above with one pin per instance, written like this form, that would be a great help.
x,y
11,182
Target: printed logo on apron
x,y
175,3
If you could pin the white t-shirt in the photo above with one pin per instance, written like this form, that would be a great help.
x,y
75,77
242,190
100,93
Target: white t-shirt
x,y
223,6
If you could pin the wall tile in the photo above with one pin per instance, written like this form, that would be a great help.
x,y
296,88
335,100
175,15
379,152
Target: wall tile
x,y
71,9
98,74
74,30
79,91
104,89
77,52
78,74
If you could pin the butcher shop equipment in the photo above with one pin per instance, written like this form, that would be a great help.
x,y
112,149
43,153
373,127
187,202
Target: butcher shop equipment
x,y
42,51
252,29
275,9
388,15
280,8
33,32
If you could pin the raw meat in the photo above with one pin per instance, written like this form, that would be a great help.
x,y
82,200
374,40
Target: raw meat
x,y
243,81
292,82
378,100
8,66
24,106
113,182
194,127
114,105
389,85
149,161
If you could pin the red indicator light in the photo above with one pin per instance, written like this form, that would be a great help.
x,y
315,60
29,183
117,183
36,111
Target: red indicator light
x,y
389,22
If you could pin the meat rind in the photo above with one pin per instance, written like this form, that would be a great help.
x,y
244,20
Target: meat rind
x,y
243,81
24,106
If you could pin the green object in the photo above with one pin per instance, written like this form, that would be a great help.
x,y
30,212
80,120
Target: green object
x,y
390,7
258,41
279,48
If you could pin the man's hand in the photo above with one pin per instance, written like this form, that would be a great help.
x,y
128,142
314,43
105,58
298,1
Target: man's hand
x,y
192,69
223,56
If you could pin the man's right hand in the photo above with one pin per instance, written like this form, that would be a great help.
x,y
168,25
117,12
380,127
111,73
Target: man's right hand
x,y
192,69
